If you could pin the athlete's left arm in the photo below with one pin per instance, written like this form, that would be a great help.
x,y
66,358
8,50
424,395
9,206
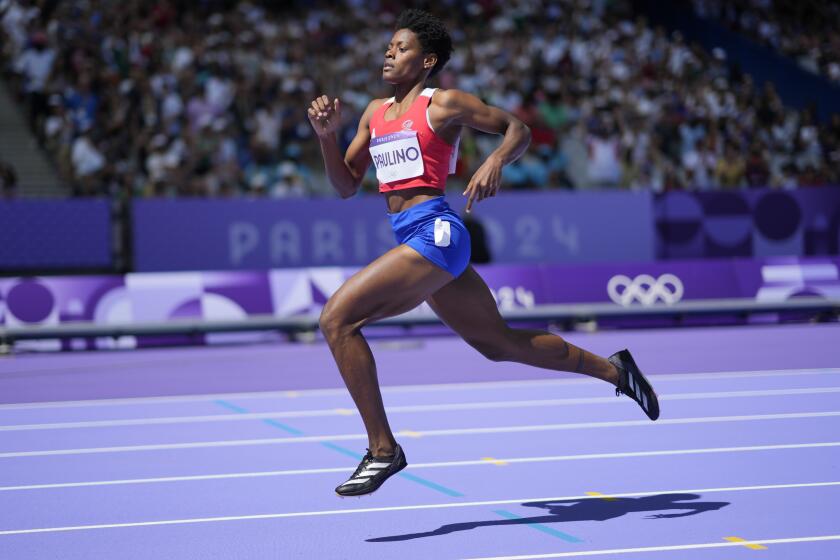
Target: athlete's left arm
x,y
456,107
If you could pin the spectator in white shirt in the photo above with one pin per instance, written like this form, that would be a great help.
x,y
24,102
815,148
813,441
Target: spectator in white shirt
x,y
88,162
35,65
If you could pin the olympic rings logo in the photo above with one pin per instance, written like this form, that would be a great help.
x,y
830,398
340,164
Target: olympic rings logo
x,y
645,289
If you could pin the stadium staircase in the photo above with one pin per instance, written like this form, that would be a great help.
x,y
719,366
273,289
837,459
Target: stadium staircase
x,y
18,146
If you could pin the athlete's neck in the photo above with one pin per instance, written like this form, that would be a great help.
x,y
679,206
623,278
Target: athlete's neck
x,y
405,94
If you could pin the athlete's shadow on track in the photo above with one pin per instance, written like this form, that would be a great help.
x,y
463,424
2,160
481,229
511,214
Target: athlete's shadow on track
x,y
594,509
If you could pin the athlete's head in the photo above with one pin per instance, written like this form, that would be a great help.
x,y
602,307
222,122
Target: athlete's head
x,y
421,44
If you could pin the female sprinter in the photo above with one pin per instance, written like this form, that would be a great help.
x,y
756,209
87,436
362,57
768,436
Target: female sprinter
x,y
412,140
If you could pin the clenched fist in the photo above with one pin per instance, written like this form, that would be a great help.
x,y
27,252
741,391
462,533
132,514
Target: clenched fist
x,y
324,115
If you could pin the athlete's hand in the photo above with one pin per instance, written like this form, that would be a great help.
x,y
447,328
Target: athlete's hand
x,y
485,183
324,115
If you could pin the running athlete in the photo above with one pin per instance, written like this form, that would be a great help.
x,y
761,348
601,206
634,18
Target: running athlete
x,y
412,140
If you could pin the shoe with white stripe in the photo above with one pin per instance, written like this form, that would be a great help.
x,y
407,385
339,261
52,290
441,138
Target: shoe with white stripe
x,y
372,472
632,383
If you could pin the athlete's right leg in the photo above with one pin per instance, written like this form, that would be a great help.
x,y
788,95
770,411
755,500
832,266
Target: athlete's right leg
x,y
394,283
467,306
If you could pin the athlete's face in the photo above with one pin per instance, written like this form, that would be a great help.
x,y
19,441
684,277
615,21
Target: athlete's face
x,y
404,58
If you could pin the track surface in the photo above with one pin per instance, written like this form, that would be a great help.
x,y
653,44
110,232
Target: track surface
x,y
233,453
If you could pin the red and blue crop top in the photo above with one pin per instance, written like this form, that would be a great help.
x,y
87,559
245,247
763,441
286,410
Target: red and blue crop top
x,y
406,151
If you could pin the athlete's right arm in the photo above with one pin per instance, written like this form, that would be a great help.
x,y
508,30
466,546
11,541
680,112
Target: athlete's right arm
x,y
344,172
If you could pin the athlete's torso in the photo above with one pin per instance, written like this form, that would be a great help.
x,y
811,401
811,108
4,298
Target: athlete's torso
x,y
409,156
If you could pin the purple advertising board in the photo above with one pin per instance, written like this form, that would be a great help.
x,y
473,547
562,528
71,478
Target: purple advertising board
x,y
567,227
235,295
43,234
535,227
249,234
254,234
748,223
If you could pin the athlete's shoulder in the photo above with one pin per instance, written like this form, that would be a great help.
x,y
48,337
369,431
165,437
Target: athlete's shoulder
x,y
447,97
373,106
453,99
376,104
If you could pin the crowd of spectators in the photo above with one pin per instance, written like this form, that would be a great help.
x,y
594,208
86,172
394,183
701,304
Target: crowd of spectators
x,y
208,98
805,30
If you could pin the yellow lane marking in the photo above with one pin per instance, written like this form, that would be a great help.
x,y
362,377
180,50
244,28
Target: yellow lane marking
x,y
410,433
497,462
345,411
291,394
746,543
602,496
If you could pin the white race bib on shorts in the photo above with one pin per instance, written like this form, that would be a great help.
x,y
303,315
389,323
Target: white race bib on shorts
x,y
397,156
443,233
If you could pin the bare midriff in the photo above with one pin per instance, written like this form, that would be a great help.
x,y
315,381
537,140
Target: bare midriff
x,y
406,198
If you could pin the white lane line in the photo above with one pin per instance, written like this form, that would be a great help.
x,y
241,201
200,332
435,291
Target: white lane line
x,y
423,433
413,507
432,387
467,463
697,546
326,412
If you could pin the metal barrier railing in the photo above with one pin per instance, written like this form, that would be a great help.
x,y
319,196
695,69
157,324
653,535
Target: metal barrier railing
x,y
567,315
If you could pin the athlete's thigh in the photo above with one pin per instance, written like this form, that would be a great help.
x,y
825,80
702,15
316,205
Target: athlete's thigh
x,y
396,282
468,307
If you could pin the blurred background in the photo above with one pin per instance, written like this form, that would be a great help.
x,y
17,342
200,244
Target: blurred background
x,y
676,140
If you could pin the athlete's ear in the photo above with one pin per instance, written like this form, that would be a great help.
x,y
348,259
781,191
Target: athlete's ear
x,y
430,60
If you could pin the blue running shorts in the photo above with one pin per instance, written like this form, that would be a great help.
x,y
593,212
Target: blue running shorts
x,y
435,231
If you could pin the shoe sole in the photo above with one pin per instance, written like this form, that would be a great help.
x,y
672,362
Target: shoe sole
x,y
369,492
625,356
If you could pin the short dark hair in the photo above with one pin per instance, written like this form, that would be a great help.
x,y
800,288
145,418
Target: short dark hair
x,y
432,34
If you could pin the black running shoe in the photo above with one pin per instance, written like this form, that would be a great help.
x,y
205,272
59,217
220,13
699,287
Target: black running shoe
x,y
632,383
372,472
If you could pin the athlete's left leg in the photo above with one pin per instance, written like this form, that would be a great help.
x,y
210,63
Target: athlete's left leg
x,y
468,307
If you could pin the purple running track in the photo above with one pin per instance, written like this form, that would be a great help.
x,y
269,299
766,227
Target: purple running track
x,y
233,452
184,371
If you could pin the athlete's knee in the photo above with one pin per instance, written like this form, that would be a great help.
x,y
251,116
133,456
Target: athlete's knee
x,y
494,349
333,323
494,353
